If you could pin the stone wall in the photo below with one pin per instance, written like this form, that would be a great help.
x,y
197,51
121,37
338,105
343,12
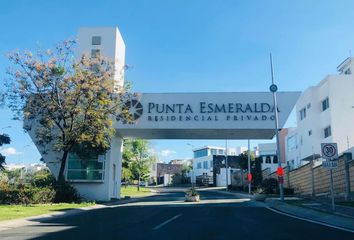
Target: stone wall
x,y
300,179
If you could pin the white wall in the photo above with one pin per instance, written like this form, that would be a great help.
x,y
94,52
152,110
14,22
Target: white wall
x,y
339,115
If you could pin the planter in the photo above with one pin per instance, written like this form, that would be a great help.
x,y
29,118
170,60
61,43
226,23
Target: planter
x,y
195,198
259,197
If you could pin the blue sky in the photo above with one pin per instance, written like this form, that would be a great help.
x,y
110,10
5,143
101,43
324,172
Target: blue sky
x,y
189,46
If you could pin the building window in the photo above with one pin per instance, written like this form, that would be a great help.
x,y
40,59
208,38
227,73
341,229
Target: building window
x,y
220,151
302,113
268,160
275,159
325,104
308,105
205,164
201,153
213,151
327,132
348,72
199,165
95,53
96,40
211,163
310,132
88,169
291,143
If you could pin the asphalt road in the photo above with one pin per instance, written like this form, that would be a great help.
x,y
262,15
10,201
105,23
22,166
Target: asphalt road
x,y
166,216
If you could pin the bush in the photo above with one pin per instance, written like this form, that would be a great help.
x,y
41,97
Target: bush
x,y
65,192
29,194
43,179
270,185
43,195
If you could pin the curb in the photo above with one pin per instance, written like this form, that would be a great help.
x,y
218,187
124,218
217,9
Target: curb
x,y
315,216
273,209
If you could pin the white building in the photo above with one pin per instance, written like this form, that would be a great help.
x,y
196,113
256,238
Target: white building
x,y
267,152
203,159
98,177
325,113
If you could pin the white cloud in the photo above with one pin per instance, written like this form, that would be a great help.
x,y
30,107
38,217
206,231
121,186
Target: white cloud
x,y
9,151
167,152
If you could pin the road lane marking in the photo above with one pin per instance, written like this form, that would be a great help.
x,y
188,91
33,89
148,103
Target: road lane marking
x,y
309,220
167,221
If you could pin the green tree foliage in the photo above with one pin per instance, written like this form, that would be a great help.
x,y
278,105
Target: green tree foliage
x,y
256,168
68,101
137,158
4,139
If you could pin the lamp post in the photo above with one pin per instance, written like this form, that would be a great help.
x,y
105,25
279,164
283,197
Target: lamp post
x,y
226,167
249,176
192,177
273,88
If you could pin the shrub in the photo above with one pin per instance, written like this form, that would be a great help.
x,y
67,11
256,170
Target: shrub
x,y
43,179
65,192
43,195
270,185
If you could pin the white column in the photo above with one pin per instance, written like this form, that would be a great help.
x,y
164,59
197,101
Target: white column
x,y
114,157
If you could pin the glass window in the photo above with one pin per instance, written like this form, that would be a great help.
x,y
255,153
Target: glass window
x,y
275,159
325,104
211,163
310,132
201,153
220,151
85,169
205,164
302,113
327,132
268,159
96,40
291,143
213,151
95,53
199,165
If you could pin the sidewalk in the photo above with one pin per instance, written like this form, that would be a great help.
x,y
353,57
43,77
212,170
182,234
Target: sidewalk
x,y
341,218
307,213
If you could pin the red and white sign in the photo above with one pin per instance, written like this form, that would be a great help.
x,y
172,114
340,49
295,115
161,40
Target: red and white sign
x,y
329,151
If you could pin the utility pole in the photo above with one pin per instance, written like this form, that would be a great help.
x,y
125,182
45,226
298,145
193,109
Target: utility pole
x,y
249,168
273,88
226,167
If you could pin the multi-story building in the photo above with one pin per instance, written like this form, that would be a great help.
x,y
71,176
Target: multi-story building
x,y
268,152
98,177
203,159
325,113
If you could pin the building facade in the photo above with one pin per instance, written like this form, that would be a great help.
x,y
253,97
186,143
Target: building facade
x,y
226,115
325,113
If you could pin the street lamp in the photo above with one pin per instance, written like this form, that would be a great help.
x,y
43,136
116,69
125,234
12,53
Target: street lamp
x,y
226,167
273,88
192,177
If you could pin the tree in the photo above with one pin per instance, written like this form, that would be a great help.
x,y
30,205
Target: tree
x,y
256,169
70,102
4,139
137,157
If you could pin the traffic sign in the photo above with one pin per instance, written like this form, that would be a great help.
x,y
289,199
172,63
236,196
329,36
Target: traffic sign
x,y
280,171
329,164
273,88
329,151
249,177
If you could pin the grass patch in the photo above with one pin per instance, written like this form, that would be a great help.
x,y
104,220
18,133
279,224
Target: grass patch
x,y
8,212
133,191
